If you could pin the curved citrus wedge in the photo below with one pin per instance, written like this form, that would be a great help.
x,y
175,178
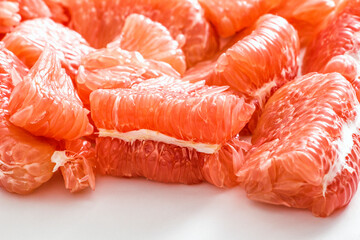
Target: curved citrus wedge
x,y
77,164
336,48
9,16
306,16
116,68
153,160
25,160
170,130
152,40
230,16
253,65
250,64
306,146
28,41
45,102
189,112
99,22
169,163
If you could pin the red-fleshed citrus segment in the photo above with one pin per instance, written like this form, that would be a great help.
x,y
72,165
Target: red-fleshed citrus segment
x,y
188,112
152,40
116,68
246,62
29,39
306,146
253,65
337,38
336,48
230,16
254,61
154,160
78,169
100,22
25,160
45,102
169,163
168,130
306,16
9,16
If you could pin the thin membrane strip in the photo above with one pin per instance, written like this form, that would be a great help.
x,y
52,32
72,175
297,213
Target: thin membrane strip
x,y
145,134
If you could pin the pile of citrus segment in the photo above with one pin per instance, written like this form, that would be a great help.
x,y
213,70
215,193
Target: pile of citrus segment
x,y
184,91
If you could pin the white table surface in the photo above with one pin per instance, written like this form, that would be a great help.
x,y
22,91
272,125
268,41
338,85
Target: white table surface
x,y
140,209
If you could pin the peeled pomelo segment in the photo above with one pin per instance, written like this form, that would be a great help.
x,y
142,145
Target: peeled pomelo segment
x,y
100,22
116,68
28,40
231,16
336,48
9,16
168,129
152,40
196,113
306,16
306,146
253,66
45,102
253,62
151,159
164,162
25,160
339,37
206,70
77,164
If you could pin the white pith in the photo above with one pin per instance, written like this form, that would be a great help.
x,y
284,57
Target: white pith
x,y
145,134
59,158
344,145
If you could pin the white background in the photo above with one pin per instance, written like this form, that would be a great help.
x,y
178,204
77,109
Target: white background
x,y
140,209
